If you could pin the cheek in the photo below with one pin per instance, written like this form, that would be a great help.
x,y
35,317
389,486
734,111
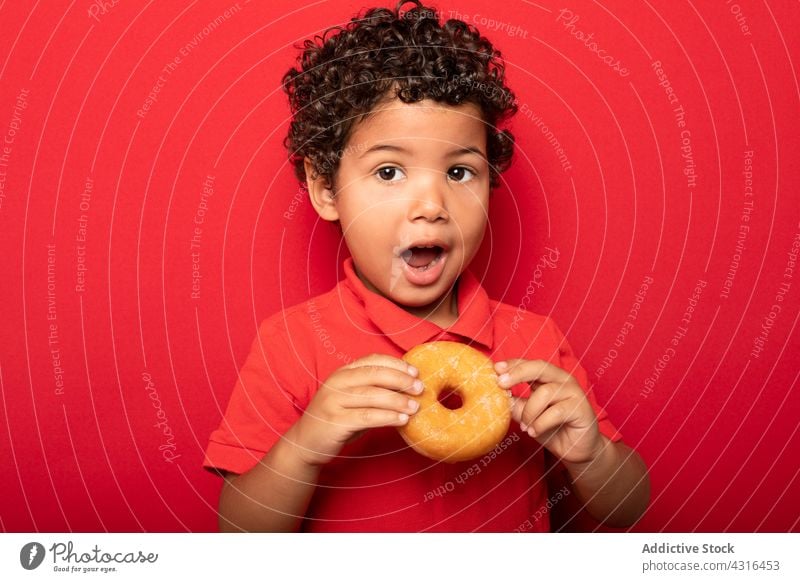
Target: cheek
x,y
477,234
473,221
353,218
362,238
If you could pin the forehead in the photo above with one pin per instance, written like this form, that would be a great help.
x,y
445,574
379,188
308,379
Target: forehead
x,y
395,121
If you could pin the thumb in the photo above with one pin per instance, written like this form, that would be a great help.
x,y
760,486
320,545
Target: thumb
x,y
517,406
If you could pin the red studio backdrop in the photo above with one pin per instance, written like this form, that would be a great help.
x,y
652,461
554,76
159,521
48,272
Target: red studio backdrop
x,y
150,221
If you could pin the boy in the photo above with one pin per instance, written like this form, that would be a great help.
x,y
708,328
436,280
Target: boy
x,y
394,133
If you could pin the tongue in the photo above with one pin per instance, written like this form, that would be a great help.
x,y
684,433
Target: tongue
x,y
420,257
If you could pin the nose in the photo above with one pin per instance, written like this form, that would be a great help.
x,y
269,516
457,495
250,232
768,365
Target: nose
x,y
428,198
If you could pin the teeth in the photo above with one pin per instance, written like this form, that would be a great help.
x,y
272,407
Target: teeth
x,y
407,253
429,265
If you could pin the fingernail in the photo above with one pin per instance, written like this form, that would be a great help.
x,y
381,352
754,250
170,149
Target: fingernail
x,y
412,370
523,427
531,432
413,405
501,365
417,385
503,378
402,417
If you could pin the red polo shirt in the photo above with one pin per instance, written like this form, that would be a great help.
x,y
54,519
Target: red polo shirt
x,y
378,483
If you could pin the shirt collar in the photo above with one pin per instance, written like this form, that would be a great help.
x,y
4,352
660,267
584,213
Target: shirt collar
x,y
407,331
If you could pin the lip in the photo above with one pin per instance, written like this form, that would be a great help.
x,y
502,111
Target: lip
x,y
431,274
426,242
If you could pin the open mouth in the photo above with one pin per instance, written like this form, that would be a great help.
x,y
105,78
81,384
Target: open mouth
x,y
423,257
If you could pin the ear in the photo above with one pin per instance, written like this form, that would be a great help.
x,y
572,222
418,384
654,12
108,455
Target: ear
x,y
321,194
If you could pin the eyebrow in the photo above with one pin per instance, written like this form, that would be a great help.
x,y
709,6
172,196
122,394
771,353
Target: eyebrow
x,y
451,154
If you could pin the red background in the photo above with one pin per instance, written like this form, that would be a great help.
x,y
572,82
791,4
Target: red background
x,y
718,427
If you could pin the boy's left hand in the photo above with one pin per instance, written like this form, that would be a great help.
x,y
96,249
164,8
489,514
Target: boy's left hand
x,y
557,413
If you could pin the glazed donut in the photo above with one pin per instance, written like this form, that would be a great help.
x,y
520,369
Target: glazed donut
x,y
466,432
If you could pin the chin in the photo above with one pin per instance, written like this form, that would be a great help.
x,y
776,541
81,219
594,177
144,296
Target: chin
x,y
414,302
420,299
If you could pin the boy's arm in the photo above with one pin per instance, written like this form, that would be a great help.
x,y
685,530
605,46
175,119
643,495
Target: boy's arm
x,y
614,486
273,495
610,478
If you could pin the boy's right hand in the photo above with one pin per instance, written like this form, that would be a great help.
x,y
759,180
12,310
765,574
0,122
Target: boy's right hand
x,y
367,393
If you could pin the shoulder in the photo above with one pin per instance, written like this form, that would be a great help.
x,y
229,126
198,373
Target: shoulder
x,y
518,318
536,332
285,348
298,319
292,337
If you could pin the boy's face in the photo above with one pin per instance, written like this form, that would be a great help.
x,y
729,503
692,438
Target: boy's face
x,y
411,195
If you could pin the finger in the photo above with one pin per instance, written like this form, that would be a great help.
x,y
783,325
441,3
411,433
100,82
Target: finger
x,y
374,397
383,377
552,418
386,361
361,418
542,397
517,371
517,406
504,365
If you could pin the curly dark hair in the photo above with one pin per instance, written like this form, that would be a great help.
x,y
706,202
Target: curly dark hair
x,y
342,74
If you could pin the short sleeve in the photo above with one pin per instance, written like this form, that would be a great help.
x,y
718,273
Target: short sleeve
x,y
266,401
569,362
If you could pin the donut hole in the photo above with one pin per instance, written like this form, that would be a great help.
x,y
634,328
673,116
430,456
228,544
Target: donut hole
x,y
450,398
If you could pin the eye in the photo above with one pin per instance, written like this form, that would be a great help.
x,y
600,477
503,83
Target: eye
x,y
460,174
389,174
